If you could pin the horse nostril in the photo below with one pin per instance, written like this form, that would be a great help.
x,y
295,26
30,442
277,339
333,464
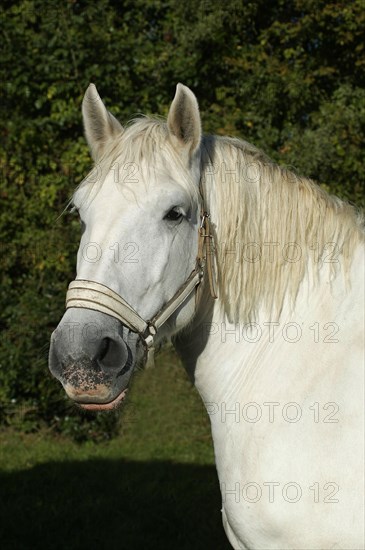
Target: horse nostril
x,y
111,353
128,363
104,348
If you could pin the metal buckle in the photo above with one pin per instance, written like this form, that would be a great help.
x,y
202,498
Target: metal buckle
x,y
204,217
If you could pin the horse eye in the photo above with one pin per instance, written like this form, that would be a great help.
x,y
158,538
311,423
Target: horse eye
x,y
174,215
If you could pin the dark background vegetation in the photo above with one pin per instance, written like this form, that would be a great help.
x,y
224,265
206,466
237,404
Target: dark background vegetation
x,y
289,76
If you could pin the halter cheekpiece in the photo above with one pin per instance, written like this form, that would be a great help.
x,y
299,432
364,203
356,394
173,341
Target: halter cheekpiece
x,y
95,296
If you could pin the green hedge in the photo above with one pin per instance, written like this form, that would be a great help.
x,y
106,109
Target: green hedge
x,y
287,76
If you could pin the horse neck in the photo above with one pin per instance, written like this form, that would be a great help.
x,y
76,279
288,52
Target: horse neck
x,y
313,290
229,359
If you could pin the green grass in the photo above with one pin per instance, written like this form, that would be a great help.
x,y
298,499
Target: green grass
x,y
153,487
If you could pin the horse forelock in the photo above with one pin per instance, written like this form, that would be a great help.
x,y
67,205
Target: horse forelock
x,y
142,153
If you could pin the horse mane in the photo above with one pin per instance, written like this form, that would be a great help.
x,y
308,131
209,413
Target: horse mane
x,y
258,210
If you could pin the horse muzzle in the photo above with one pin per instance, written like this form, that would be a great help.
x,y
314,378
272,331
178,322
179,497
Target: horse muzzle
x,y
93,356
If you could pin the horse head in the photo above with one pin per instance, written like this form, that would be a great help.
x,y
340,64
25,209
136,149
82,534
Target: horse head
x,y
140,213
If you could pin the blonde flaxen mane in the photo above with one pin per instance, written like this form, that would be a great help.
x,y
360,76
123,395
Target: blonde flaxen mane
x,y
272,227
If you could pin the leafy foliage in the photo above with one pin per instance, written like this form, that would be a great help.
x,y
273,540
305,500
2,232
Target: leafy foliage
x,y
287,76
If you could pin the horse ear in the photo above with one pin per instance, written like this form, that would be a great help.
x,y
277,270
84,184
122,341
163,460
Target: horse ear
x,y
100,125
183,120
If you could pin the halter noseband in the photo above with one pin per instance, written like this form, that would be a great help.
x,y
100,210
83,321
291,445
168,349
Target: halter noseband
x,y
92,295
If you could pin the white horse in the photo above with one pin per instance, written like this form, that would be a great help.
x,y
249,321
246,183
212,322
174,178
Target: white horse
x,y
278,358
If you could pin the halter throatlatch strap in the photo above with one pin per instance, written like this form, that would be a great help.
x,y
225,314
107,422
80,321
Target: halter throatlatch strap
x,y
98,297
206,251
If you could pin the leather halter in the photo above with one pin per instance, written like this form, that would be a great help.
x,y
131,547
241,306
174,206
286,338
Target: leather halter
x,y
92,295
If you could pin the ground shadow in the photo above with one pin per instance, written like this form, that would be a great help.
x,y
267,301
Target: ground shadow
x,y
111,504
